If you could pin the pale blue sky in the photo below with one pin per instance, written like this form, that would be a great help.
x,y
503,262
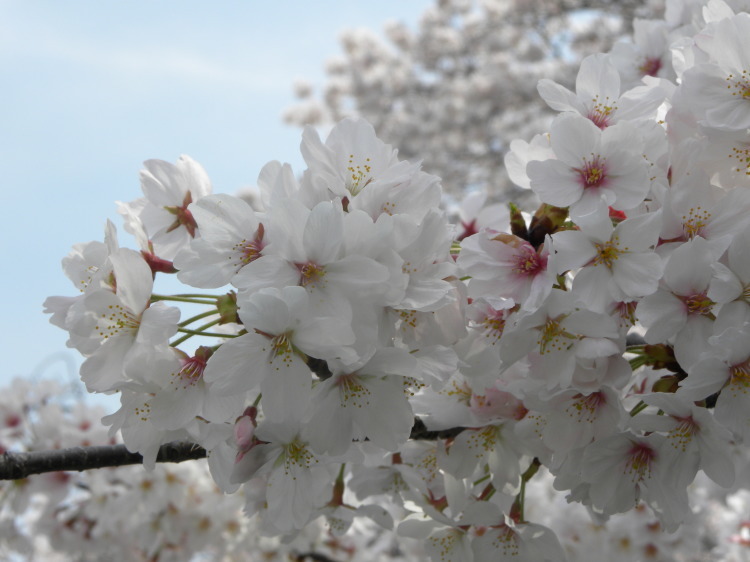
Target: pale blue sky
x,y
91,89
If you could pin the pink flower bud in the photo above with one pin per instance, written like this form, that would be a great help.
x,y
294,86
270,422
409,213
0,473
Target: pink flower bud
x,y
496,404
244,431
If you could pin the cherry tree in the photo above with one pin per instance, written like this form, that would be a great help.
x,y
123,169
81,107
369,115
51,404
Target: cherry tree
x,y
457,90
371,380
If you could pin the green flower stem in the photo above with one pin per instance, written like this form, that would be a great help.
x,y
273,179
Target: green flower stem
x,y
521,499
207,334
204,299
487,493
637,362
196,317
200,332
517,510
340,477
482,479
638,408
337,498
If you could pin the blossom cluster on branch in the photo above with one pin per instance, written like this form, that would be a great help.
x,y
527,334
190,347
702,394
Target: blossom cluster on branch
x,y
120,513
178,514
172,513
357,307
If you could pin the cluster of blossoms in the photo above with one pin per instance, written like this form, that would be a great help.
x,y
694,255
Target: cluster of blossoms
x,y
459,87
717,528
120,513
172,513
175,512
377,365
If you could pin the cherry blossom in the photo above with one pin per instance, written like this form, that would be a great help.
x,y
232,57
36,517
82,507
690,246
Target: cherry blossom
x,y
231,237
718,89
267,359
384,381
168,189
594,168
617,263
695,438
506,266
363,401
598,95
680,308
119,322
640,460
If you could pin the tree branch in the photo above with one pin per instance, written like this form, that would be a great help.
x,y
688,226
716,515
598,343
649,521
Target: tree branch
x,y
313,557
420,431
14,466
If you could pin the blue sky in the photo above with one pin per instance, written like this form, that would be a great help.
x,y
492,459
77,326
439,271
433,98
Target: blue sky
x,y
92,89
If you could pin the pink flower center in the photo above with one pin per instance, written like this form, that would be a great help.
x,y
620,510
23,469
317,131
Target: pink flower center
x,y
585,408
494,324
192,369
594,172
183,217
651,66
470,228
626,310
640,457
310,273
250,250
528,262
601,112
682,435
698,304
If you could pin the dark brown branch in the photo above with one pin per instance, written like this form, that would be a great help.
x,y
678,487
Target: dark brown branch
x,y
420,431
312,557
319,367
14,466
